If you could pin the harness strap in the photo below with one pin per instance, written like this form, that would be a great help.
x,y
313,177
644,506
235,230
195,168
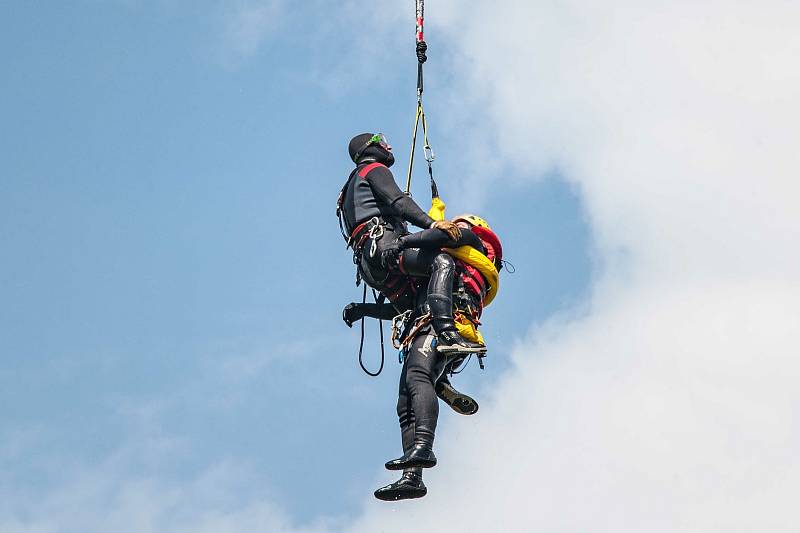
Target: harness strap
x,y
362,232
362,173
340,205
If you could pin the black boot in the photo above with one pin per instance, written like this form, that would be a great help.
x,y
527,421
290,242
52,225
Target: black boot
x,y
450,342
460,402
409,486
420,456
440,302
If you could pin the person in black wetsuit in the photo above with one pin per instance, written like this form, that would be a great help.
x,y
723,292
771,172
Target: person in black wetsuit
x,y
424,374
423,248
374,212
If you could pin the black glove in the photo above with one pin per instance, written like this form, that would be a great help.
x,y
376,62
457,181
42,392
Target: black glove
x,y
421,48
351,313
391,253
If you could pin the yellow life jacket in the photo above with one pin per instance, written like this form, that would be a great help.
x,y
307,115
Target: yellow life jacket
x,y
468,330
470,255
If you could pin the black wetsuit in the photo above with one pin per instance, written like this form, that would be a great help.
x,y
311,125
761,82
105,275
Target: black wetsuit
x,y
423,367
371,191
371,197
422,257
375,212
417,402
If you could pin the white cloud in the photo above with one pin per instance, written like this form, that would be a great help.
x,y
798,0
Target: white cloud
x,y
108,497
662,411
671,405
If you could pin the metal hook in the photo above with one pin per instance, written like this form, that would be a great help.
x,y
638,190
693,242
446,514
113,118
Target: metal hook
x,y
429,155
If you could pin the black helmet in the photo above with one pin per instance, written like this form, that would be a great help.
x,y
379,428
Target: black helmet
x,y
372,145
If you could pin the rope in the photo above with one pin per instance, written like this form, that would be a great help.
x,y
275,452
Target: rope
x,y
429,155
422,48
361,342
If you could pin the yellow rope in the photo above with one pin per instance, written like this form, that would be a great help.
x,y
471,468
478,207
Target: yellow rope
x,y
420,113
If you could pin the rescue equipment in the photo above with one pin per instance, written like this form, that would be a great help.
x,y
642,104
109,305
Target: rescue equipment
x,y
470,255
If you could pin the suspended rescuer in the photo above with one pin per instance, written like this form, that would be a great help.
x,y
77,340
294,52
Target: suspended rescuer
x,y
375,213
466,295
410,296
424,372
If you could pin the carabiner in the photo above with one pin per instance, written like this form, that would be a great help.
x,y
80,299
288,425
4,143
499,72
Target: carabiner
x,y
429,155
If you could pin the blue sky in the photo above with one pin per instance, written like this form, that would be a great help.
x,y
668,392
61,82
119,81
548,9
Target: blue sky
x,y
172,272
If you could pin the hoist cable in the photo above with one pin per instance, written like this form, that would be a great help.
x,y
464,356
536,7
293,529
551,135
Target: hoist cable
x,y
422,47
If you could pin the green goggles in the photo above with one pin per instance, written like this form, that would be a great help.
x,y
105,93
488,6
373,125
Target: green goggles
x,y
379,139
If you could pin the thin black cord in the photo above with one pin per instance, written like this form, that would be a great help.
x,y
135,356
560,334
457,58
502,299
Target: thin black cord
x,y
361,342
380,328
460,368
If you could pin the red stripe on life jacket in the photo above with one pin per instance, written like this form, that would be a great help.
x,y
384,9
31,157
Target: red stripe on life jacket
x,y
476,275
473,279
472,285
489,237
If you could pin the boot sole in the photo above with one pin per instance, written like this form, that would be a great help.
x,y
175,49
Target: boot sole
x,y
458,402
464,406
459,349
397,495
411,464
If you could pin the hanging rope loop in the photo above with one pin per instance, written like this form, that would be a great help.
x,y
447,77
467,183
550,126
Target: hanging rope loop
x,y
378,300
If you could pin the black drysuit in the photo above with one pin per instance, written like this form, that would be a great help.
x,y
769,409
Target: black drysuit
x,y
369,198
417,403
375,212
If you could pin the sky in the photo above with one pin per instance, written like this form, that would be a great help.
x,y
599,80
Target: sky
x,y
172,356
